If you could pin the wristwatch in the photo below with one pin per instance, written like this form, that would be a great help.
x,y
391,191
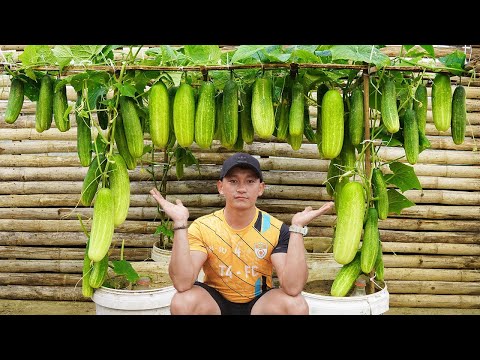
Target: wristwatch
x,y
298,229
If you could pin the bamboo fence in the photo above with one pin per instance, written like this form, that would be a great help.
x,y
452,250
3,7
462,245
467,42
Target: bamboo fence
x,y
431,250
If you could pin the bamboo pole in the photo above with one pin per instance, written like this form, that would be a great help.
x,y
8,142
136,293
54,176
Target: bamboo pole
x,y
45,307
284,192
52,253
25,238
39,266
431,274
430,311
53,293
431,248
431,261
434,301
40,279
433,287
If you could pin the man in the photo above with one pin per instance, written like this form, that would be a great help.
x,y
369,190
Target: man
x,y
238,247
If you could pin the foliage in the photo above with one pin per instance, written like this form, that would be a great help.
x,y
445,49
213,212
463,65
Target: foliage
x,y
104,87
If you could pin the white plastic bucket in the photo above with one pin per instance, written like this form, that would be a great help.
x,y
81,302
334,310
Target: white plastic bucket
x,y
162,257
133,302
372,304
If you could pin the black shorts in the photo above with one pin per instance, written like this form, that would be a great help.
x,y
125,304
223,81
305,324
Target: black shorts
x,y
227,307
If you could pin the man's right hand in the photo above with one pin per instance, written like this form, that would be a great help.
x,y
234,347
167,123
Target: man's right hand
x,y
176,212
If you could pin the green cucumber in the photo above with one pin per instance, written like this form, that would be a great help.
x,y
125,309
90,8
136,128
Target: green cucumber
x,y
159,114
332,124
459,115
410,136
389,108
15,100
350,214
442,102
44,108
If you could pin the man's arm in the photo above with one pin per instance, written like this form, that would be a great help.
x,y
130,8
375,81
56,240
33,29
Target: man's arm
x,y
184,265
291,267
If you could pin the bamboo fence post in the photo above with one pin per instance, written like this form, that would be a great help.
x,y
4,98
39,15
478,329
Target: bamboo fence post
x,y
368,167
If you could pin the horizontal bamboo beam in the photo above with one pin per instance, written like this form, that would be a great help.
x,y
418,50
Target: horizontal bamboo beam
x,y
40,279
39,266
26,238
434,301
283,192
55,253
431,261
430,311
45,307
438,248
52,293
433,287
431,274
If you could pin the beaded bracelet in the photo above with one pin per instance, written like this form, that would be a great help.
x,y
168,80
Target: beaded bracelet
x,y
180,227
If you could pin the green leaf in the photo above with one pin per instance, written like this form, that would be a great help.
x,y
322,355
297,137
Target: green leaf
x,y
246,52
203,54
455,60
165,230
35,55
429,49
304,56
126,89
124,268
63,55
397,202
96,83
403,177
360,53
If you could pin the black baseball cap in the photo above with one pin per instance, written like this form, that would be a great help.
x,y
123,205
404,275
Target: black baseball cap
x,y
242,160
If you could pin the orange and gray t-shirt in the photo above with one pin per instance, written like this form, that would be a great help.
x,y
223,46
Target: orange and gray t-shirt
x,y
238,263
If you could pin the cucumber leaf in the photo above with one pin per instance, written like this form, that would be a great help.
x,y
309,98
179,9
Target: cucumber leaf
x,y
403,177
123,267
397,202
360,53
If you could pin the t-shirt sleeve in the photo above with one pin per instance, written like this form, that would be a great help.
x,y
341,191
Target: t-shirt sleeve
x,y
283,239
195,238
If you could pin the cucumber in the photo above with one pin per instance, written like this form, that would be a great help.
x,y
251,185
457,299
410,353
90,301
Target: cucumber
x,y
101,233
184,115
332,124
132,126
84,135
389,109
120,186
370,241
356,118
44,108
246,125
459,115
159,114
15,100
99,272
61,113
230,113
442,102
263,117
346,277
121,142
296,114
420,105
92,179
205,115
410,136
350,214
380,193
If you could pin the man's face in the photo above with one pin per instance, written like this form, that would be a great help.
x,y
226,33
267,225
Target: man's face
x,y
241,187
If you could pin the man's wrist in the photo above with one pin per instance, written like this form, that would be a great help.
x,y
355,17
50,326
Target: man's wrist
x,y
180,226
